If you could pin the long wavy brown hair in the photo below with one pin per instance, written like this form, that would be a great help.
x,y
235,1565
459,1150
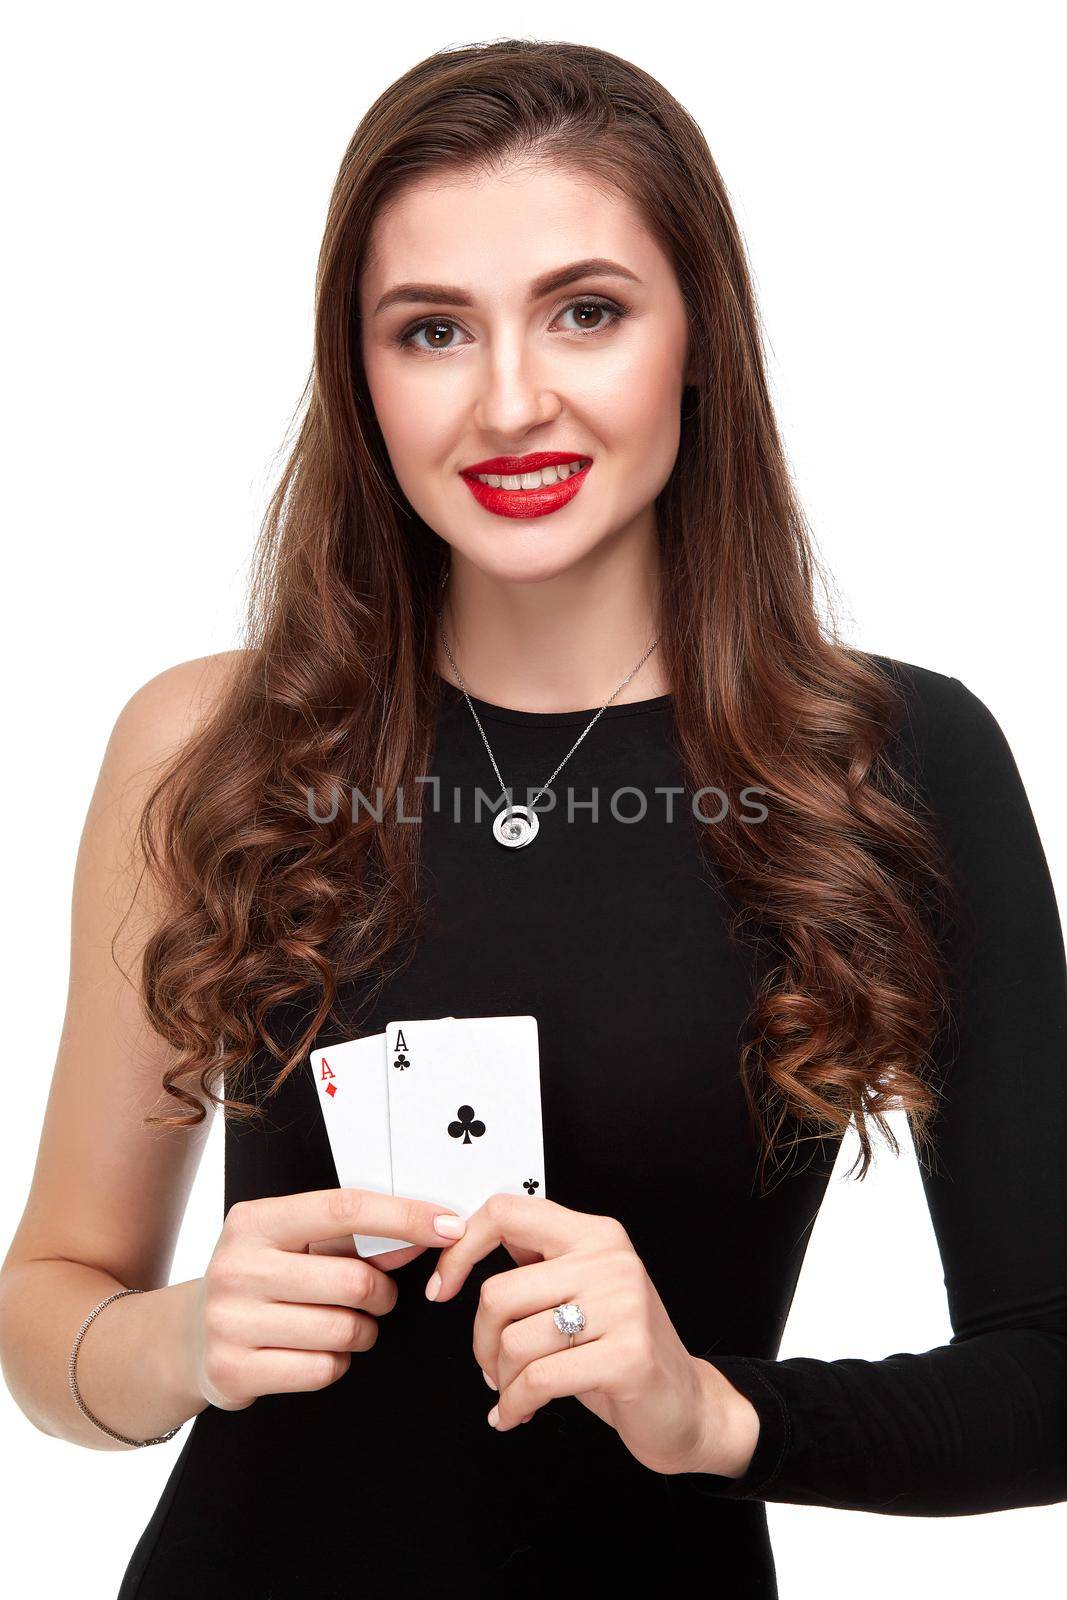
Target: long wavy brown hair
x,y
840,888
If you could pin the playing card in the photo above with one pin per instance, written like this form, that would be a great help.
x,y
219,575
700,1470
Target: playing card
x,y
465,1109
351,1085
352,1093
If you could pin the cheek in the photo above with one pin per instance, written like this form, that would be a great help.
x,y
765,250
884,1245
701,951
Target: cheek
x,y
638,414
636,382
415,430
655,378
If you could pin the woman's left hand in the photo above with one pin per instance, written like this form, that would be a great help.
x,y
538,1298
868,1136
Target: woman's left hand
x,y
627,1365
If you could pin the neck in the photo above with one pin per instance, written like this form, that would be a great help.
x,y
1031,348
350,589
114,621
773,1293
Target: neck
x,y
562,643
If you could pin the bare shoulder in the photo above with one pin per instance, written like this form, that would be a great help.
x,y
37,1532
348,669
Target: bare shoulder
x,y
170,708
156,722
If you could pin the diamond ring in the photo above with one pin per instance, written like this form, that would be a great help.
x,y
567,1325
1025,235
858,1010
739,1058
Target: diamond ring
x,y
569,1318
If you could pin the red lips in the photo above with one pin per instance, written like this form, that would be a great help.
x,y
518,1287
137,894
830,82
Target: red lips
x,y
527,503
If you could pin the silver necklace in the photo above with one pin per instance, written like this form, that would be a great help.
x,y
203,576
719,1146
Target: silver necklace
x,y
515,826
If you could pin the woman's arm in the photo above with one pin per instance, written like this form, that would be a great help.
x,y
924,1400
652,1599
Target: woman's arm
x,y
108,1196
979,1424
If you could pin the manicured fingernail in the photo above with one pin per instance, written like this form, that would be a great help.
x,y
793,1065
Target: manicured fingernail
x,y
432,1286
494,1417
451,1227
488,1379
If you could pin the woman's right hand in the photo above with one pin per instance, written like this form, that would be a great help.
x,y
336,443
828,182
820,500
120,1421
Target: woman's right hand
x,y
272,1315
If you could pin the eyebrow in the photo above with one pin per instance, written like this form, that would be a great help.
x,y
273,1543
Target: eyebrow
x,y
448,295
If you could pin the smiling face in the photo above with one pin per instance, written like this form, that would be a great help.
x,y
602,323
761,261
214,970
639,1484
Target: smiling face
x,y
475,349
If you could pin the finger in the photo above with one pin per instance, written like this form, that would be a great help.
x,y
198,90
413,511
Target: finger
x,y
582,1370
286,1326
530,1340
514,1298
270,1371
520,1256
292,1221
530,1221
331,1280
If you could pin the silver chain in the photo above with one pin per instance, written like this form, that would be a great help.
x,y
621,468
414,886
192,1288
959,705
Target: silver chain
x,y
581,736
72,1378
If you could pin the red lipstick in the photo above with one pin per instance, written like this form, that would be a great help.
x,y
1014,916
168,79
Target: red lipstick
x,y
525,502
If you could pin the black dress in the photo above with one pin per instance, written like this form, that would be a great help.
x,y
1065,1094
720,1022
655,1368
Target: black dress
x,y
614,935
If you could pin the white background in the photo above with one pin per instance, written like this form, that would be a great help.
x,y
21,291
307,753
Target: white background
x,y
896,172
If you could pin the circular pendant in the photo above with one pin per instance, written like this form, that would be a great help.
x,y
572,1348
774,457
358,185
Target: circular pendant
x,y
515,826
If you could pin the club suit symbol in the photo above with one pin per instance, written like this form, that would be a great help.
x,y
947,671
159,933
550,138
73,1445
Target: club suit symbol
x,y
466,1125
402,1062
530,1184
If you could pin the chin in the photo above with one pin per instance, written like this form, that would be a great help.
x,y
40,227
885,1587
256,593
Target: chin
x,y
524,557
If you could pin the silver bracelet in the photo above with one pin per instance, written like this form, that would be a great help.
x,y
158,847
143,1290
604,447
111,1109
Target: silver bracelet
x,y
71,1374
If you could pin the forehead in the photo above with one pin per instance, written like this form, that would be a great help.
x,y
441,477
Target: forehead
x,y
495,232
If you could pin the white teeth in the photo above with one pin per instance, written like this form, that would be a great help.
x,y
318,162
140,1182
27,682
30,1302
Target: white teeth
x,y
530,480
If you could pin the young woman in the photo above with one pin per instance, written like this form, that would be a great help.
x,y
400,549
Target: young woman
x,y
537,542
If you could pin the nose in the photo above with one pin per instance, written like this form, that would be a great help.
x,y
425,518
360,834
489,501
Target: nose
x,y
515,395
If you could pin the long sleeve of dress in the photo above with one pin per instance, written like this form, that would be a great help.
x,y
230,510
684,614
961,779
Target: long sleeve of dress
x,y
978,1424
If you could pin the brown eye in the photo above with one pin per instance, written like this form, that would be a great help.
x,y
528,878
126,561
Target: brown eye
x,y
437,334
592,316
